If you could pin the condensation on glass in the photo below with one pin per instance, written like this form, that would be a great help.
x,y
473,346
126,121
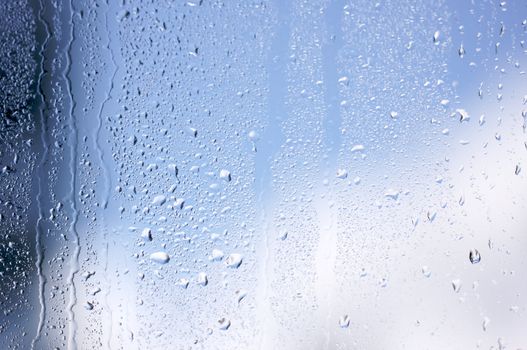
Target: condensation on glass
x,y
303,174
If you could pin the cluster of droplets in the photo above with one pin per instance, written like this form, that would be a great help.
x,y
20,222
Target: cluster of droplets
x,y
18,70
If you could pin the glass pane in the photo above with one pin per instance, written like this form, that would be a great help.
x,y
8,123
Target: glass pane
x,y
301,174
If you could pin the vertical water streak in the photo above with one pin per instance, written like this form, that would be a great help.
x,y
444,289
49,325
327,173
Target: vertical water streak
x,y
41,170
107,97
106,175
74,263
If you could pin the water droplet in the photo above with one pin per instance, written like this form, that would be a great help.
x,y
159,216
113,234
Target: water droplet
x,y
344,321
253,136
357,148
240,294
485,323
342,173
122,15
224,324
436,37
363,272
391,194
183,283
456,285
501,344
461,51
426,271
159,200
216,255
431,215
160,257
474,256
343,80
234,260
225,175
463,115
147,234
202,279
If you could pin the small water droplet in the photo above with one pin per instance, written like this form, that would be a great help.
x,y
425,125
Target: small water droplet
x,y
225,175
183,283
253,136
224,324
283,235
436,37
159,200
431,216
463,115
122,15
343,80
202,279
391,194
383,282
426,271
357,148
456,285
216,255
342,173
147,234
240,294
461,51
485,323
363,272
88,306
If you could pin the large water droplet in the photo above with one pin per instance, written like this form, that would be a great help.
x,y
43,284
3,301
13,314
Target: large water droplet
x,y
234,260
160,257
474,256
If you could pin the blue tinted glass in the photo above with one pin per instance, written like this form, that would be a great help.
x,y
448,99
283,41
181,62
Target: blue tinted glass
x,y
300,174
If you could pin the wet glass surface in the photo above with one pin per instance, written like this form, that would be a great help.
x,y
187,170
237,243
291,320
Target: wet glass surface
x,y
302,174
